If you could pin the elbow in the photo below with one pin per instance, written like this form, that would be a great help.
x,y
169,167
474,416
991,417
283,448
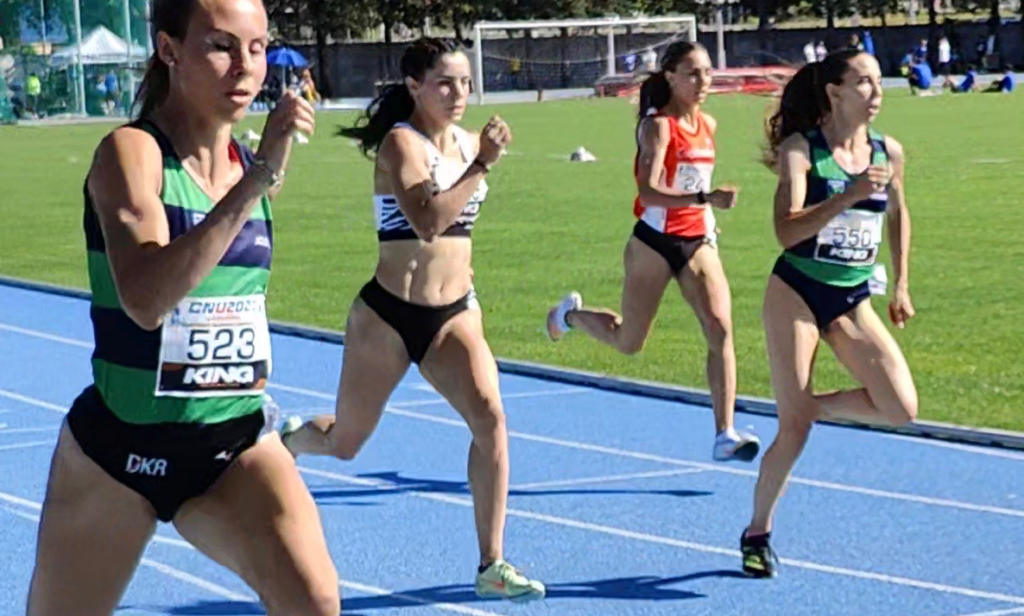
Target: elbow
x,y
142,315
426,232
142,306
426,226
784,237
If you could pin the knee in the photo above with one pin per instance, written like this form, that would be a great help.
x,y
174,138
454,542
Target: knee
x,y
718,330
631,346
347,446
319,597
902,409
796,417
487,421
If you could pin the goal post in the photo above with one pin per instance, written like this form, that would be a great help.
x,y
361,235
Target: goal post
x,y
595,52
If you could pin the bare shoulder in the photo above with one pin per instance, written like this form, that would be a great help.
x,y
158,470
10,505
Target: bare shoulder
x,y
894,148
126,153
710,121
398,145
795,143
654,129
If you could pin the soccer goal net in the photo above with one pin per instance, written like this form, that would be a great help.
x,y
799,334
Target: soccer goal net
x,y
573,57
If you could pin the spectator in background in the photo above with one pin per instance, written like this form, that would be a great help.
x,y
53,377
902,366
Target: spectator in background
x,y
945,56
650,60
307,88
113,92
921,53
855,43
821,51
809,53
1005,84
945,62
630,62
33,92
869,43
920,79
969,84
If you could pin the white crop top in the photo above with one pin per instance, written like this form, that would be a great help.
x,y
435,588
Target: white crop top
x,y
392,223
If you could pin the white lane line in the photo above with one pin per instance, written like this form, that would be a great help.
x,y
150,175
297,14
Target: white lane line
x,y
1003,612
229,594
629,454
33,401
689,545
983,451
45,336
603,479
840,487
26,445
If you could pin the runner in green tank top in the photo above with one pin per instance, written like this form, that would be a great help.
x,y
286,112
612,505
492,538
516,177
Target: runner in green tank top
x,y
175,427
839,181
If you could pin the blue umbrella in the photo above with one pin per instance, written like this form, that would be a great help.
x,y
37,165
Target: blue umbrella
x,y
286,56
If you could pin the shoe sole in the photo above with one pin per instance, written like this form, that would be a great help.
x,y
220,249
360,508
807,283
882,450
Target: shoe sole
x,y
547,327
744,453
523,598
758,574
747,451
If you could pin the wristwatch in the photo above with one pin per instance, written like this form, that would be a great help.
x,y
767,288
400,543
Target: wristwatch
x,y
272,178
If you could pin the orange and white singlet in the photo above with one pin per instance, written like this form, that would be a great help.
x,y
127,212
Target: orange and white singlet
x,y
689,163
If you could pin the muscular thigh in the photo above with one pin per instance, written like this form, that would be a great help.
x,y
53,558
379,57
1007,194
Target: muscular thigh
x,y
92,533
461,367
260,521
792,337
646,276
704,285
865,347
374,361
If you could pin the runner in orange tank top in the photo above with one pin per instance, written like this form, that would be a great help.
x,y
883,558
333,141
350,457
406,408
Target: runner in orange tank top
x,y
674,237
689,163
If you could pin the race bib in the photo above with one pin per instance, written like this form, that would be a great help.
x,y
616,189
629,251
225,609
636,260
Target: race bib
x,y
879,281
851,238
214,346
693,178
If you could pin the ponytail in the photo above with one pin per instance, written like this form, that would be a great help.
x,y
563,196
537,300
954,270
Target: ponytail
x,y
804,103
395,103
171,17
155,86
655,93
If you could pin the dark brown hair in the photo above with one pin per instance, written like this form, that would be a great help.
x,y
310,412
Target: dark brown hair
x,y
655,92
395,104
172,18
804,101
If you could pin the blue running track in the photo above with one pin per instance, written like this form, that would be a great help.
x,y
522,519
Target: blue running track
x,y
615,503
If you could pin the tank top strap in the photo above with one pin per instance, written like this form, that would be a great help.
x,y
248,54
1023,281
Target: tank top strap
x,y
149,126
466,143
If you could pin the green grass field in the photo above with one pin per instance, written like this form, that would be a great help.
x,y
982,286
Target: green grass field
x,y
550,226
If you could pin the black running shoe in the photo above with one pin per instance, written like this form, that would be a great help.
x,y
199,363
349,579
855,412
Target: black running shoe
x,y
759,559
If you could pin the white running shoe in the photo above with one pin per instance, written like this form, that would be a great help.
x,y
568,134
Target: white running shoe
x,y
732,445
556,323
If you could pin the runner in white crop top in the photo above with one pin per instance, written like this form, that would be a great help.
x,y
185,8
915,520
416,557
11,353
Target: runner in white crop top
x,y
445,171
420,307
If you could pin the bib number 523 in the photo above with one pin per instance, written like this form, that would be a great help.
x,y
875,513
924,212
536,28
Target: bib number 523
x,y
221,344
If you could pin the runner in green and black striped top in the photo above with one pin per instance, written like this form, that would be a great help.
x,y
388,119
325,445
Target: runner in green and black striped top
x,y
839,181
175,426
210,359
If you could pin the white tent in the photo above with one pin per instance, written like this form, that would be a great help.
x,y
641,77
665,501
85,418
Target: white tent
x,y
101,46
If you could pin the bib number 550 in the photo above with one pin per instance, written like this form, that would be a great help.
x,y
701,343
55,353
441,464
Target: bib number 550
x,y
852,238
